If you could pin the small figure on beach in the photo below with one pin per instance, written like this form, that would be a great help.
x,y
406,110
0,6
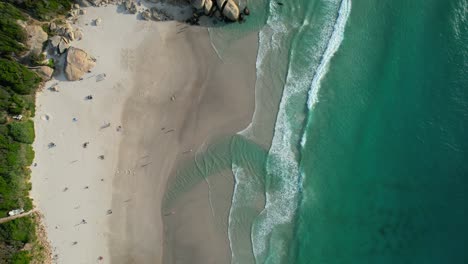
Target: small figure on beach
x,y
109,211
85,144
52,144
100,258
86,187
119,128
74,243
101,157
83,221
106,125
89,97
75,119
65,189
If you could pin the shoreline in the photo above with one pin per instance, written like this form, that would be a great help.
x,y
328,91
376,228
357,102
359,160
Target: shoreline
x,y
186,107
166,94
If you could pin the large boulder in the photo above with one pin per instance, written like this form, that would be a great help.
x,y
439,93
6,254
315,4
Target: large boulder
x,y
220,3
55,41
45,72
77,63
36,38
198,4
208,6
231,11
63,46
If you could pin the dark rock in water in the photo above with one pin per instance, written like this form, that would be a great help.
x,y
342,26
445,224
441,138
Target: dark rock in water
x,y
246,11
241,18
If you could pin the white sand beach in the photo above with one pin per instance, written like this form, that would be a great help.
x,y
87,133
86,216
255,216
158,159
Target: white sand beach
x,y
70,183
170,93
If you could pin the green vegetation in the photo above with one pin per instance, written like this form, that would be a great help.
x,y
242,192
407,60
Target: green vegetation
x,y
15,236
22,131
44,9
12,36
17,77
18,84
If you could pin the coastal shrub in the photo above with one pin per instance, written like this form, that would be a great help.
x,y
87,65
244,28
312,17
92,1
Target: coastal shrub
x,y
12,35
17,96
22,131
9,154
9,11
3,117
13,236
17,77
44,9
12,30
21,257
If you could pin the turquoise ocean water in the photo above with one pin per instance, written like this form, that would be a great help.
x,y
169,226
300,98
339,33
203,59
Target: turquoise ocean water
x,y
358,149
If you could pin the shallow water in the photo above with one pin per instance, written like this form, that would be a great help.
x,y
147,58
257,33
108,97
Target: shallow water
x,y
357,149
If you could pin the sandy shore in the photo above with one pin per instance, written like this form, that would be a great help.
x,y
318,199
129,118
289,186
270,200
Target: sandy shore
x,y
70,183
171,94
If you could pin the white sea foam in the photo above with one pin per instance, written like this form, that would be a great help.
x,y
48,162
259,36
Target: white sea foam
x,y
269,38
282,164
333,45
459,19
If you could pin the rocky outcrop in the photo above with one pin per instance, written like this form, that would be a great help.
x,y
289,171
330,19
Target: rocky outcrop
x,y
77,63
130,6
227,9
36,39
58,44
45,72
159,15
231,11
63,46
55,41
65,30
208,7
198,4
146,15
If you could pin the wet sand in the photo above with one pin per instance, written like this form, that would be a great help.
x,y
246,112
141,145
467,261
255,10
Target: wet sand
x,y
183,97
